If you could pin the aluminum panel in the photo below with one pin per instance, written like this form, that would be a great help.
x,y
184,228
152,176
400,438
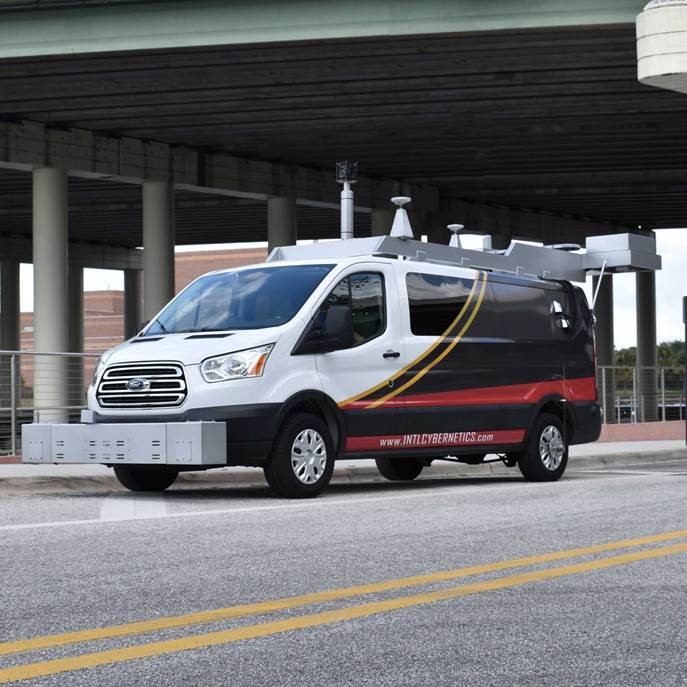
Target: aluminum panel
x,y
174,443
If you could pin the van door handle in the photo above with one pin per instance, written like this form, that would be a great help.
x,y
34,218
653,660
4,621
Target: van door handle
x,y
391,354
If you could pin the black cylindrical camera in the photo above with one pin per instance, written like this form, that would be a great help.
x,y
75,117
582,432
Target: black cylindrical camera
x,y
346,172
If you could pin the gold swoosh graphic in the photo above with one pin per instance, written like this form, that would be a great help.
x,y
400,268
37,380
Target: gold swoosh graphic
x,y
417,377
422,356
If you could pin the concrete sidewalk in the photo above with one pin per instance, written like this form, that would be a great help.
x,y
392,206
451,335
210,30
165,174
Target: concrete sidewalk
x,y
50,478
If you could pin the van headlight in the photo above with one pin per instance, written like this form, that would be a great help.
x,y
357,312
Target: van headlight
x,y
237,365
100,366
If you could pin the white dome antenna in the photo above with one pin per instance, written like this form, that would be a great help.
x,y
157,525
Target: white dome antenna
x,y
401,228
455,230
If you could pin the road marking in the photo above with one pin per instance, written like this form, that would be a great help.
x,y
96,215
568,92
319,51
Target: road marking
x,y
262,607
117,507
422,492
91,660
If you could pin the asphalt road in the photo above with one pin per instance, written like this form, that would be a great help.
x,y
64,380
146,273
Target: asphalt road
x,y
229,586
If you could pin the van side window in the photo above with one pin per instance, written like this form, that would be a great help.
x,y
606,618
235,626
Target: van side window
x,y
524,311
435,301
364,294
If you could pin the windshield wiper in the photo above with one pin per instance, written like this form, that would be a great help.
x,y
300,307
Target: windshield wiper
x,y
162,326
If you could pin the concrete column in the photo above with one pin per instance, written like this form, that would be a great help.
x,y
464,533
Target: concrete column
x,y
646,345
281,222
500,238
9,328
158,246
133,306
436,229
9,305
605,354
50,279
381,221
75,366
500,241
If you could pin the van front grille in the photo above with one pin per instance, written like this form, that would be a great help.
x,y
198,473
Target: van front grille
x,y
142,385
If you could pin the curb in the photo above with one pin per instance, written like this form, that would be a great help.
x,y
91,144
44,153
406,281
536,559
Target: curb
x,y
343,474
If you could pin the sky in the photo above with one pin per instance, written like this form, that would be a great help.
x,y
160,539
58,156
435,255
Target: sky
x,y
671,244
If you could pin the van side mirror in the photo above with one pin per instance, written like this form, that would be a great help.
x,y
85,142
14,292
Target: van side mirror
x,y
338,328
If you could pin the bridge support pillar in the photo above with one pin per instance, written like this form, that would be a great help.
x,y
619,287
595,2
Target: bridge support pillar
x,y
281,222
605,380
647,391
50,292
133,310
158,246
75,366
9,327
380,222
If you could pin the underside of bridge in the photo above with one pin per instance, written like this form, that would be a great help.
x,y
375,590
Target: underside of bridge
x,y
544,119
548,120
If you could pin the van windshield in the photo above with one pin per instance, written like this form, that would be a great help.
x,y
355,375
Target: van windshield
x,y
243,299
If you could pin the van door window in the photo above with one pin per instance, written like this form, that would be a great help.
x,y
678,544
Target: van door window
x,y
363,292
435,300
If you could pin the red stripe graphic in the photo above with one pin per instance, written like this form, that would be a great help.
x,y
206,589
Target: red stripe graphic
x,y
432,439
583,389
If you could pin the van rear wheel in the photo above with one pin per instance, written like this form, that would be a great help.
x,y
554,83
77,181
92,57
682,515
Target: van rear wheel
x,y
546,453
400,469
141,478
301,462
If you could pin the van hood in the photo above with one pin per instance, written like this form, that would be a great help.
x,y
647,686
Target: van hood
x,y
189,348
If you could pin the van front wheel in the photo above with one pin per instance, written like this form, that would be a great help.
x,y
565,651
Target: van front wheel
x,y
546,453
301,462
140,478
400,469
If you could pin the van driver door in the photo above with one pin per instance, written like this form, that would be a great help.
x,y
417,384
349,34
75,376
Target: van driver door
x,y
359,376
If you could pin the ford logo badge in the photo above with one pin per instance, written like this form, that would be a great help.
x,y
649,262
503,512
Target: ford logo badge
x,y
138,384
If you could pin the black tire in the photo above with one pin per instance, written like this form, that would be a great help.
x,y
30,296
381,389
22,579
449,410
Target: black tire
x,y
400,469
534,462
141,478
282,472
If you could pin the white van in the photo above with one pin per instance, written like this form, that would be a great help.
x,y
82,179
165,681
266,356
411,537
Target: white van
x,y
369,348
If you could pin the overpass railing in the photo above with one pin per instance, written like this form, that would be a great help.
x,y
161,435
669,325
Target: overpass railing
x,y
37,387
641,394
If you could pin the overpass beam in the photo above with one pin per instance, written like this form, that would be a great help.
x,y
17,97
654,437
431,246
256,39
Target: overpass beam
x,y
50,292
281,222
605,355
158,246
646,346
133,305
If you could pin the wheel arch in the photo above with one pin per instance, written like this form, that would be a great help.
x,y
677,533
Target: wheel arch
x,y
556,405
320,404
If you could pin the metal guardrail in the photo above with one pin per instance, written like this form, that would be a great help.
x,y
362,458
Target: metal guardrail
x,y
641,394
40,386
52,387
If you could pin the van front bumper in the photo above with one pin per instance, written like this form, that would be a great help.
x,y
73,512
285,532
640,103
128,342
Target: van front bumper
x,y
184,444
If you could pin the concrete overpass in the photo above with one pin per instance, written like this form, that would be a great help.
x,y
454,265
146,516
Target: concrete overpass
x,y
138,123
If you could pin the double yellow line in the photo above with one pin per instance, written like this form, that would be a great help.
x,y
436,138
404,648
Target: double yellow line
x,y
362,610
